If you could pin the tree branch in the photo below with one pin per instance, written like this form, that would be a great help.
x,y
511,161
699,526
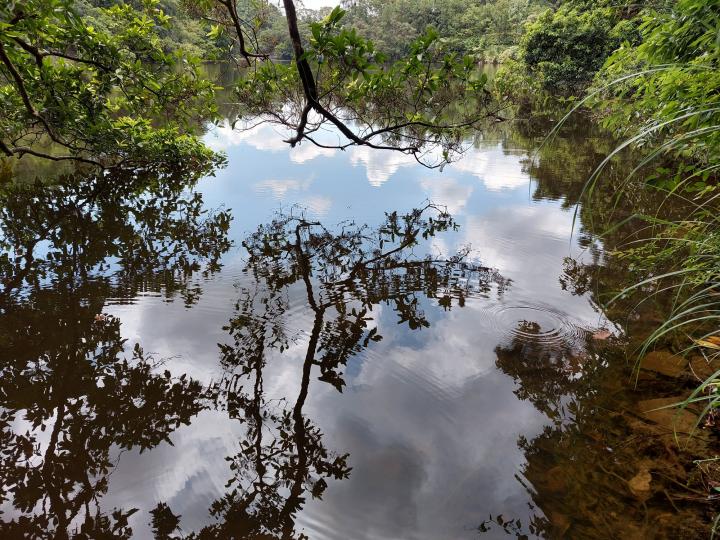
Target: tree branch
x,y
21,150
32,111
232,11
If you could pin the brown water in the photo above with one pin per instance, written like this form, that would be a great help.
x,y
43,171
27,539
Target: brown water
x,y
289,349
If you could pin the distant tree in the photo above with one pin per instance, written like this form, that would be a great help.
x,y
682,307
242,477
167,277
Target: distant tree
x,y
565,48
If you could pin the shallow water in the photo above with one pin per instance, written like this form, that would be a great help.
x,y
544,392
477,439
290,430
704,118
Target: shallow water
x,y
424,433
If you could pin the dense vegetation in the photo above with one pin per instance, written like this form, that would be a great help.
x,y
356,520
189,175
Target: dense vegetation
x,y
649,73
90,89
662,99
92,83
482,29
651,76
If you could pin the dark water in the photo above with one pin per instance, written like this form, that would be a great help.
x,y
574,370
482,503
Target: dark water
x,y
286,349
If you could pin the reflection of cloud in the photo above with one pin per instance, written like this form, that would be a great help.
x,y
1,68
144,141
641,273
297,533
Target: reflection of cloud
x,y
262,137
430,424
496,168
317,204
380,165
422,455
510,237
308,151
265,137
189,480
279,188
448,192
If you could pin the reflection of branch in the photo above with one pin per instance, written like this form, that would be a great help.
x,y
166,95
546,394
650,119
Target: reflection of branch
x,y
299,431
277,474
48,472
305,264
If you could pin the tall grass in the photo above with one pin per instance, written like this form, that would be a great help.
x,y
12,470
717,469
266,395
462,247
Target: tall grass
x,y
662,98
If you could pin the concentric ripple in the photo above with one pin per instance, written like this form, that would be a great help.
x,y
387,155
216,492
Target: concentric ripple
x,y
535,324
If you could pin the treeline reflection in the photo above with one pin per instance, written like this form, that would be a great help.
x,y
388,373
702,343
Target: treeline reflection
x,y
74,396
70,391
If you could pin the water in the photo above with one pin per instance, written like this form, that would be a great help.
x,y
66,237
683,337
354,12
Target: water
x,y
333,391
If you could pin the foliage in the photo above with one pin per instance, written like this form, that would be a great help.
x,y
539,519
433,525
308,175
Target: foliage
x,y
341,79
563,49
262,24
480,29
182,31
92,80
662,97
674,92
92,89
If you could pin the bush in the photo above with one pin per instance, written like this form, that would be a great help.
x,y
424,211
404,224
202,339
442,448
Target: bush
x,y
564,49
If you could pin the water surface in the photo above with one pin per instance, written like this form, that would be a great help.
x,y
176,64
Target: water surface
x,y
292,380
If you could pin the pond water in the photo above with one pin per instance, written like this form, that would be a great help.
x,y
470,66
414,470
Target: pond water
x,y
309,380
429,421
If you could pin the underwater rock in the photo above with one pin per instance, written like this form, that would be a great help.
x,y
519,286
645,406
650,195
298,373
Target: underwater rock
x,y
662,412
555,481
702,368
602,334
640,483
665,363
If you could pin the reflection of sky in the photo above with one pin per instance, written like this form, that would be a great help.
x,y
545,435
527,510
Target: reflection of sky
x,y
429,422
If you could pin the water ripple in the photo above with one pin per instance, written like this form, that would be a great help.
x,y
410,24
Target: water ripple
x,y
534,323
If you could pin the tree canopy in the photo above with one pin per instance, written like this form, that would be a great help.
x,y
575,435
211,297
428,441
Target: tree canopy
x,y
102,83
98,90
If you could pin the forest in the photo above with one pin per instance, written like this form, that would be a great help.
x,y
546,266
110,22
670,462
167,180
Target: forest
x,y
381,269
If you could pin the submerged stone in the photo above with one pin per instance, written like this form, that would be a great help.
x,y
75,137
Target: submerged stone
x,y
640,483
665,363
662,412
702,368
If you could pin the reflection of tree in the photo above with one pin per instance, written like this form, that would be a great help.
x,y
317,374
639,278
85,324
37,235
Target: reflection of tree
x,y
546,374
341,275
578,470
121,234
69,395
